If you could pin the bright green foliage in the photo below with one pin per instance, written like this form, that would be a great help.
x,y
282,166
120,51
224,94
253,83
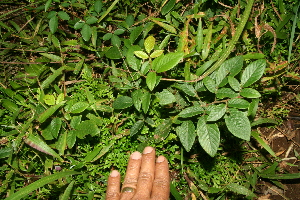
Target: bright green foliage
x,y
88,82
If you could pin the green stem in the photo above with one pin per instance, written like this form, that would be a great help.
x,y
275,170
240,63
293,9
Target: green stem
x,y
232,43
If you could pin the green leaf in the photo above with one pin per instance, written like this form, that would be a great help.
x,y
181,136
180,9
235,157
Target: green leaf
x,y
165,26
168,7
253,72
91,155
238,103
49,99
191,111
253,108
63,15
136,96
52,57
234,83
208,136
199,39
256,136
87,127
122,102
23,192
107,36
167,62
53,24
239,125
210,84
115,40
207,42
187,89
134,34
119,31
280,176
40,145
5,152
254,56
68,190
156,53
162,130
141,54
79,25
149,43
226,92
146,99
132,61
103,151
79,107
91,20
136,127
9,105
186,133
48,4
71,138
165,97
250,93
263,121
62,143
52,130
239,189
98,6
151,80
113,53
216,112
234,65
47,113
86,32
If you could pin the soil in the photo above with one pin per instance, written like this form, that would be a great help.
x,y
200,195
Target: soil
x,y
285,142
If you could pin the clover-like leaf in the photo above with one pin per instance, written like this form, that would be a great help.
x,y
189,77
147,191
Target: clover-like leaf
x,y
141,54
156,53
149,43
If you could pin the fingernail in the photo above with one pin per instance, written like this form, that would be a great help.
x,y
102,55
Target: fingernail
x,y
114,173
136,155
160,159
147,150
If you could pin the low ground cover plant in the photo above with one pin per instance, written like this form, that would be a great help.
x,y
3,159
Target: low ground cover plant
x,y
85,83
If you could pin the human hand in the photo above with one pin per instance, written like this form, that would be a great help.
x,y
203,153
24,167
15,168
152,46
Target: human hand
x,y
145,179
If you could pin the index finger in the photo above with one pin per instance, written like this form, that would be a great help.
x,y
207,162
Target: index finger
x,y
113,186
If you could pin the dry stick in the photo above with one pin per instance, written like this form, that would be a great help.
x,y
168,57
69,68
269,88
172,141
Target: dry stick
x,y
232,43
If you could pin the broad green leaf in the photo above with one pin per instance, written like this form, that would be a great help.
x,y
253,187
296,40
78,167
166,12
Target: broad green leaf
x,y
263,121
129,20
136,96
253,108
48,4
208,136
220,75
40,145
79,25
250,93
165,97
134,34
86,32
168,7
102,108
91,20
132,61
5,152
239,125
62,143
71,139
141,54
151,80
136,127
87,127
207,42
226,92
165,42
122,102
149,43
167,62
238,103
98,6
67,193
146,99
113,53
257,137
253,72
79,107
210,84
52,57
9,105
191,111
234,65
162,130
63,15
119,31
107,36
55,41
216,112
239,189
75,121
53,24
91,155
187,89
115,40
234,83
47,113
23,192
52,77
156,53
52,130
186,133
49,99
204,67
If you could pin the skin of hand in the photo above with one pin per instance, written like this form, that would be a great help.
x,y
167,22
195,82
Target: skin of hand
x,y
145,179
